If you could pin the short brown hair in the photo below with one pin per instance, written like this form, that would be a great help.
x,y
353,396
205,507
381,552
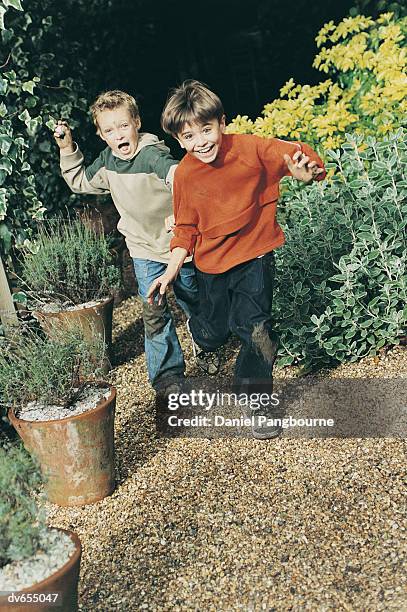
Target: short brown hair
x,y
191,102
109,100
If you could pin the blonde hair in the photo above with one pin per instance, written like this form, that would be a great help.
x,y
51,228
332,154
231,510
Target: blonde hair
x,y
109,100
191,102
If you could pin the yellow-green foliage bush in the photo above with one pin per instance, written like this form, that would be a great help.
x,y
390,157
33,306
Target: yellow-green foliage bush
x,y
366,94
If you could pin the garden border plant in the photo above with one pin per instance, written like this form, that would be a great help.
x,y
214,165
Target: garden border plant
x,y
341,284
19,530
365,93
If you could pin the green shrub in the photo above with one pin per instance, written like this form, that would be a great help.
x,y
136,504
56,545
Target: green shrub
x,y
341,280
48,370
20,521
70,262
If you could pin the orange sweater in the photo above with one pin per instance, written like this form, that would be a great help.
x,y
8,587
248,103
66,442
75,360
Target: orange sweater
x,y
225,211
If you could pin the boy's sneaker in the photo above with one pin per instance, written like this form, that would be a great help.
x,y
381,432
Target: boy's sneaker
x,y
263,423
208,361
174,385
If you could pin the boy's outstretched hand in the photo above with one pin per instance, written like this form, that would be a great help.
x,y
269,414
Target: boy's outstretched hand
x,y
63,137
158,288
301,169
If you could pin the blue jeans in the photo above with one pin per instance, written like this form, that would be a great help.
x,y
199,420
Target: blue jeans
x,y
164,356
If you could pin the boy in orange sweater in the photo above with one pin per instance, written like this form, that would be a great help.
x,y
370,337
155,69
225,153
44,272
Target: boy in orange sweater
x,y
225,195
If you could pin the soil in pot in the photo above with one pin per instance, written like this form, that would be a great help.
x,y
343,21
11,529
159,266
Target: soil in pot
x,y
49,577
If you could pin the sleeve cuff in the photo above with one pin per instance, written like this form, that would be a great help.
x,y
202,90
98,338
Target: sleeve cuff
x,y
183,243
76,155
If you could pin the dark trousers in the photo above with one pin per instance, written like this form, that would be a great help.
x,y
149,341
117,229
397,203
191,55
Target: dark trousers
x,y
239,301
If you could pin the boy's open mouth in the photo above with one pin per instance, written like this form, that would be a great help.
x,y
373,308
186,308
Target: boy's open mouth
x,y
123,146
206,150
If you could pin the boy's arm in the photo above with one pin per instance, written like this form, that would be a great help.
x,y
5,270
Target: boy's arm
x,y
163,164
185,227
182,245
91,180
284,158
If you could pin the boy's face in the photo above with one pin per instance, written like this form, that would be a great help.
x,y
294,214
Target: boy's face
x,y
119,130
202,140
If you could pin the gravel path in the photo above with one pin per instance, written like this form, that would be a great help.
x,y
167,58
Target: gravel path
x,y
240,524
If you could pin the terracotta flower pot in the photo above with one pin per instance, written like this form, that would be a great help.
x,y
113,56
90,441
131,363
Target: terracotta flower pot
x,y
64,582
76,454
95,321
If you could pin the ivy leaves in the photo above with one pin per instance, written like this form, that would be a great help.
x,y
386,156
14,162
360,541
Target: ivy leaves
x,y
32,95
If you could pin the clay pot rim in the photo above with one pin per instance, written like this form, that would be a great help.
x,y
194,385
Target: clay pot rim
x,y
62,570
51,422
100,303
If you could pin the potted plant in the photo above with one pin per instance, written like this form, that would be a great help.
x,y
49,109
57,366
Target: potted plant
x,y
71,277
63,413
39,565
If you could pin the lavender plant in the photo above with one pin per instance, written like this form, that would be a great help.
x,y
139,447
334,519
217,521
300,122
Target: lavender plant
x,y
48,370
71,263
